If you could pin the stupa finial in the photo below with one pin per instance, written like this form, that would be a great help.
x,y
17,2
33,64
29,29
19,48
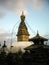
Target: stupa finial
x,y
22,12
37,32
22,16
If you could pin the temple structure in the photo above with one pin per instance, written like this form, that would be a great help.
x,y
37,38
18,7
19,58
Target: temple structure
x,y
39,40
22,34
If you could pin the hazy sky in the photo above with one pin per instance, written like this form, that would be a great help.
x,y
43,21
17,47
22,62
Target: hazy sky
x,y
36,12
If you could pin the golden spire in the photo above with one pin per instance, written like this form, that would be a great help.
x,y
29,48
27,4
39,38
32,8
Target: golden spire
x,y
22,16
22,34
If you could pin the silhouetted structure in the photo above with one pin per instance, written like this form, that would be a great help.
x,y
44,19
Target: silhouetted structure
x,y
38,39
39,52
38,42
4,47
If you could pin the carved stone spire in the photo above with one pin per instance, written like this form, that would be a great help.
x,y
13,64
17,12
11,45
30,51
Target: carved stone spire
x,y
22,34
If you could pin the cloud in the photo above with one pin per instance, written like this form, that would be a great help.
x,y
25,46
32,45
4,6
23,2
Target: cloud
x,y
13,5
37,4
5,36
2,14
19,5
